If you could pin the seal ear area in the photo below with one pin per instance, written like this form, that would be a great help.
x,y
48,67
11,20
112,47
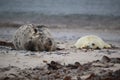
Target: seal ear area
x,y
30,46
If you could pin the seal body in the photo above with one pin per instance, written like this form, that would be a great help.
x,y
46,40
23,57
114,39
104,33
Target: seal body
x,y
34,38
91,42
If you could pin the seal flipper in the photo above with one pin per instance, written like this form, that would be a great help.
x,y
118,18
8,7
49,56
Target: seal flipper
x,y
30,46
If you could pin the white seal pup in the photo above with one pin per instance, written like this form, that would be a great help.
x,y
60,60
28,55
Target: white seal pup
x,y
91,42
34,38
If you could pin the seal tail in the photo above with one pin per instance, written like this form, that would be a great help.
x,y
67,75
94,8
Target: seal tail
x,y
8,44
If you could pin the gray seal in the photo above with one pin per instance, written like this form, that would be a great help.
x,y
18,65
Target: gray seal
x,y
34,38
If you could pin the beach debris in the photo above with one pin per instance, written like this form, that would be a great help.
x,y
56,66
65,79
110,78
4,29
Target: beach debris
x,y
90,77
54,65
91,42
67,78
74,66
79,78
6,43
34,38
105,59
9,24
57,71
115,60
45,61
102,65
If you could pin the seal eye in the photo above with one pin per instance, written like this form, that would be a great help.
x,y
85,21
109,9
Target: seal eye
x,y
93,44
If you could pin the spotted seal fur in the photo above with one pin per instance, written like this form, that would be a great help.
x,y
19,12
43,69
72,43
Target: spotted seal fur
x,y
34,38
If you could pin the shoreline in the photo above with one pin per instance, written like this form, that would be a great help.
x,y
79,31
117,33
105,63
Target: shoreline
x,y
65,21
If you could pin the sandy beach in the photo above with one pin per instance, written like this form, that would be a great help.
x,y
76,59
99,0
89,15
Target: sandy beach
x,y
66,33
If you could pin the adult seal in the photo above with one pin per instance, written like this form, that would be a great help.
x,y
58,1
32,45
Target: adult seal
x,y
34,38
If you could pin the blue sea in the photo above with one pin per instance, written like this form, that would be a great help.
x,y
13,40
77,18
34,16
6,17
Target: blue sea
x,y
60,7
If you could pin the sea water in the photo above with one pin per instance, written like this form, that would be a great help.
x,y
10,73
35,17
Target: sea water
x,y
60,7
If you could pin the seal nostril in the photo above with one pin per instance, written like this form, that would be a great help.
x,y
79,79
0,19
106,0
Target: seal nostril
x,y
50,42
35,30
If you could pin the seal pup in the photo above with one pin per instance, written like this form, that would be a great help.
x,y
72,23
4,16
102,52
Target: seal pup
x,y
34,38
91,42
